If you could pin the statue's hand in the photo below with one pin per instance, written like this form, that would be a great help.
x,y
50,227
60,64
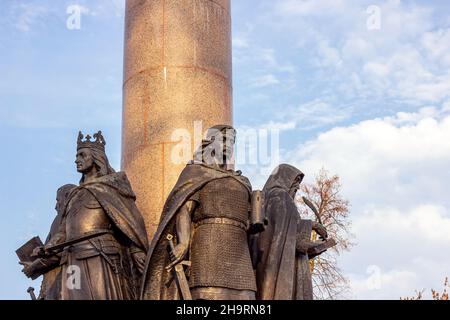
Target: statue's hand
x,y
177,255
25,264
29,268
38,252
139,260
321,230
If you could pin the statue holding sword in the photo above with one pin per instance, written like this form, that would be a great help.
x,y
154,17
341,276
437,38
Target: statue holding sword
x,y
201,248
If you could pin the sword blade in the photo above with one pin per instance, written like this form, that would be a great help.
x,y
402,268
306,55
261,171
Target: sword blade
x,y
85,237
313,208
182,282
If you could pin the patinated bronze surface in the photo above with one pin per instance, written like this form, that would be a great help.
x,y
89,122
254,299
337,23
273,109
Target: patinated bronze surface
x,y
285,247
208,211
101,242
51,283
201,249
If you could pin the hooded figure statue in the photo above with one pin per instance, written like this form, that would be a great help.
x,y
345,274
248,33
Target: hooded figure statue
x,y
283,271
207,212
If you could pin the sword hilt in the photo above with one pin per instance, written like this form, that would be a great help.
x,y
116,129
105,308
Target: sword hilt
x,y
182,283
170,239
172,247
30,290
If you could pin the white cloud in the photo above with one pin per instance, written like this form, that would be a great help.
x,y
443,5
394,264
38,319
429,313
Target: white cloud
x,y
307,116
309,7
377,69
395,172
328,56
446,106
437,45
240,42
406,247
278,126
415,117
118,7
265,81
399,283
384,156
423,223
106,8
394,168
28,15
84,10
316,113
407,59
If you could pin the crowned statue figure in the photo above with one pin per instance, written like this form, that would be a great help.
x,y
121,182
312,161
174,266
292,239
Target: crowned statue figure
x,y
101,242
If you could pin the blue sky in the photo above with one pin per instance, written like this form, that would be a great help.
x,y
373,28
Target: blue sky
x,y
370,105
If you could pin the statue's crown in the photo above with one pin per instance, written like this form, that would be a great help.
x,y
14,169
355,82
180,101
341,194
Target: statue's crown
x,y
99,142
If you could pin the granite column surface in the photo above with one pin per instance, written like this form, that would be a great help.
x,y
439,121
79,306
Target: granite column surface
x,y
177,72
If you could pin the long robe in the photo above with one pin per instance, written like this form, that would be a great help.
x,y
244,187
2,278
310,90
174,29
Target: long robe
x,y
51,282
281,272
99,279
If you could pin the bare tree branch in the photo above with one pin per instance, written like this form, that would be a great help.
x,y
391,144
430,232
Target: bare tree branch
x,y
435,295
325,193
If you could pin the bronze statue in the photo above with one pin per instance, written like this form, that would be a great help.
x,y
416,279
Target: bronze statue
x,y
51,283
204,225
102,242
285,247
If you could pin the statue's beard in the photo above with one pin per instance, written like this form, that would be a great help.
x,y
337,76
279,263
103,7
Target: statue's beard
x,y
226,159
222,159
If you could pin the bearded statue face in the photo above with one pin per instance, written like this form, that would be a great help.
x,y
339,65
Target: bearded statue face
x,y
295,186
227,145
220,147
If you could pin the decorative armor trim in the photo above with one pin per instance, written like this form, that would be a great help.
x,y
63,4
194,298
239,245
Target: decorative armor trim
x,y
222,221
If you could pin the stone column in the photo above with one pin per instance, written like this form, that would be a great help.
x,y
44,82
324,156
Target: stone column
x,y
177,70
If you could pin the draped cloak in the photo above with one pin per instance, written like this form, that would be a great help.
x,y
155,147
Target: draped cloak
x,y
114,194
194,177
280,274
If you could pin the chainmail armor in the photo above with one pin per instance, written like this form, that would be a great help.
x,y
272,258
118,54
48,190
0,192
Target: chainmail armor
x,y
220,253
